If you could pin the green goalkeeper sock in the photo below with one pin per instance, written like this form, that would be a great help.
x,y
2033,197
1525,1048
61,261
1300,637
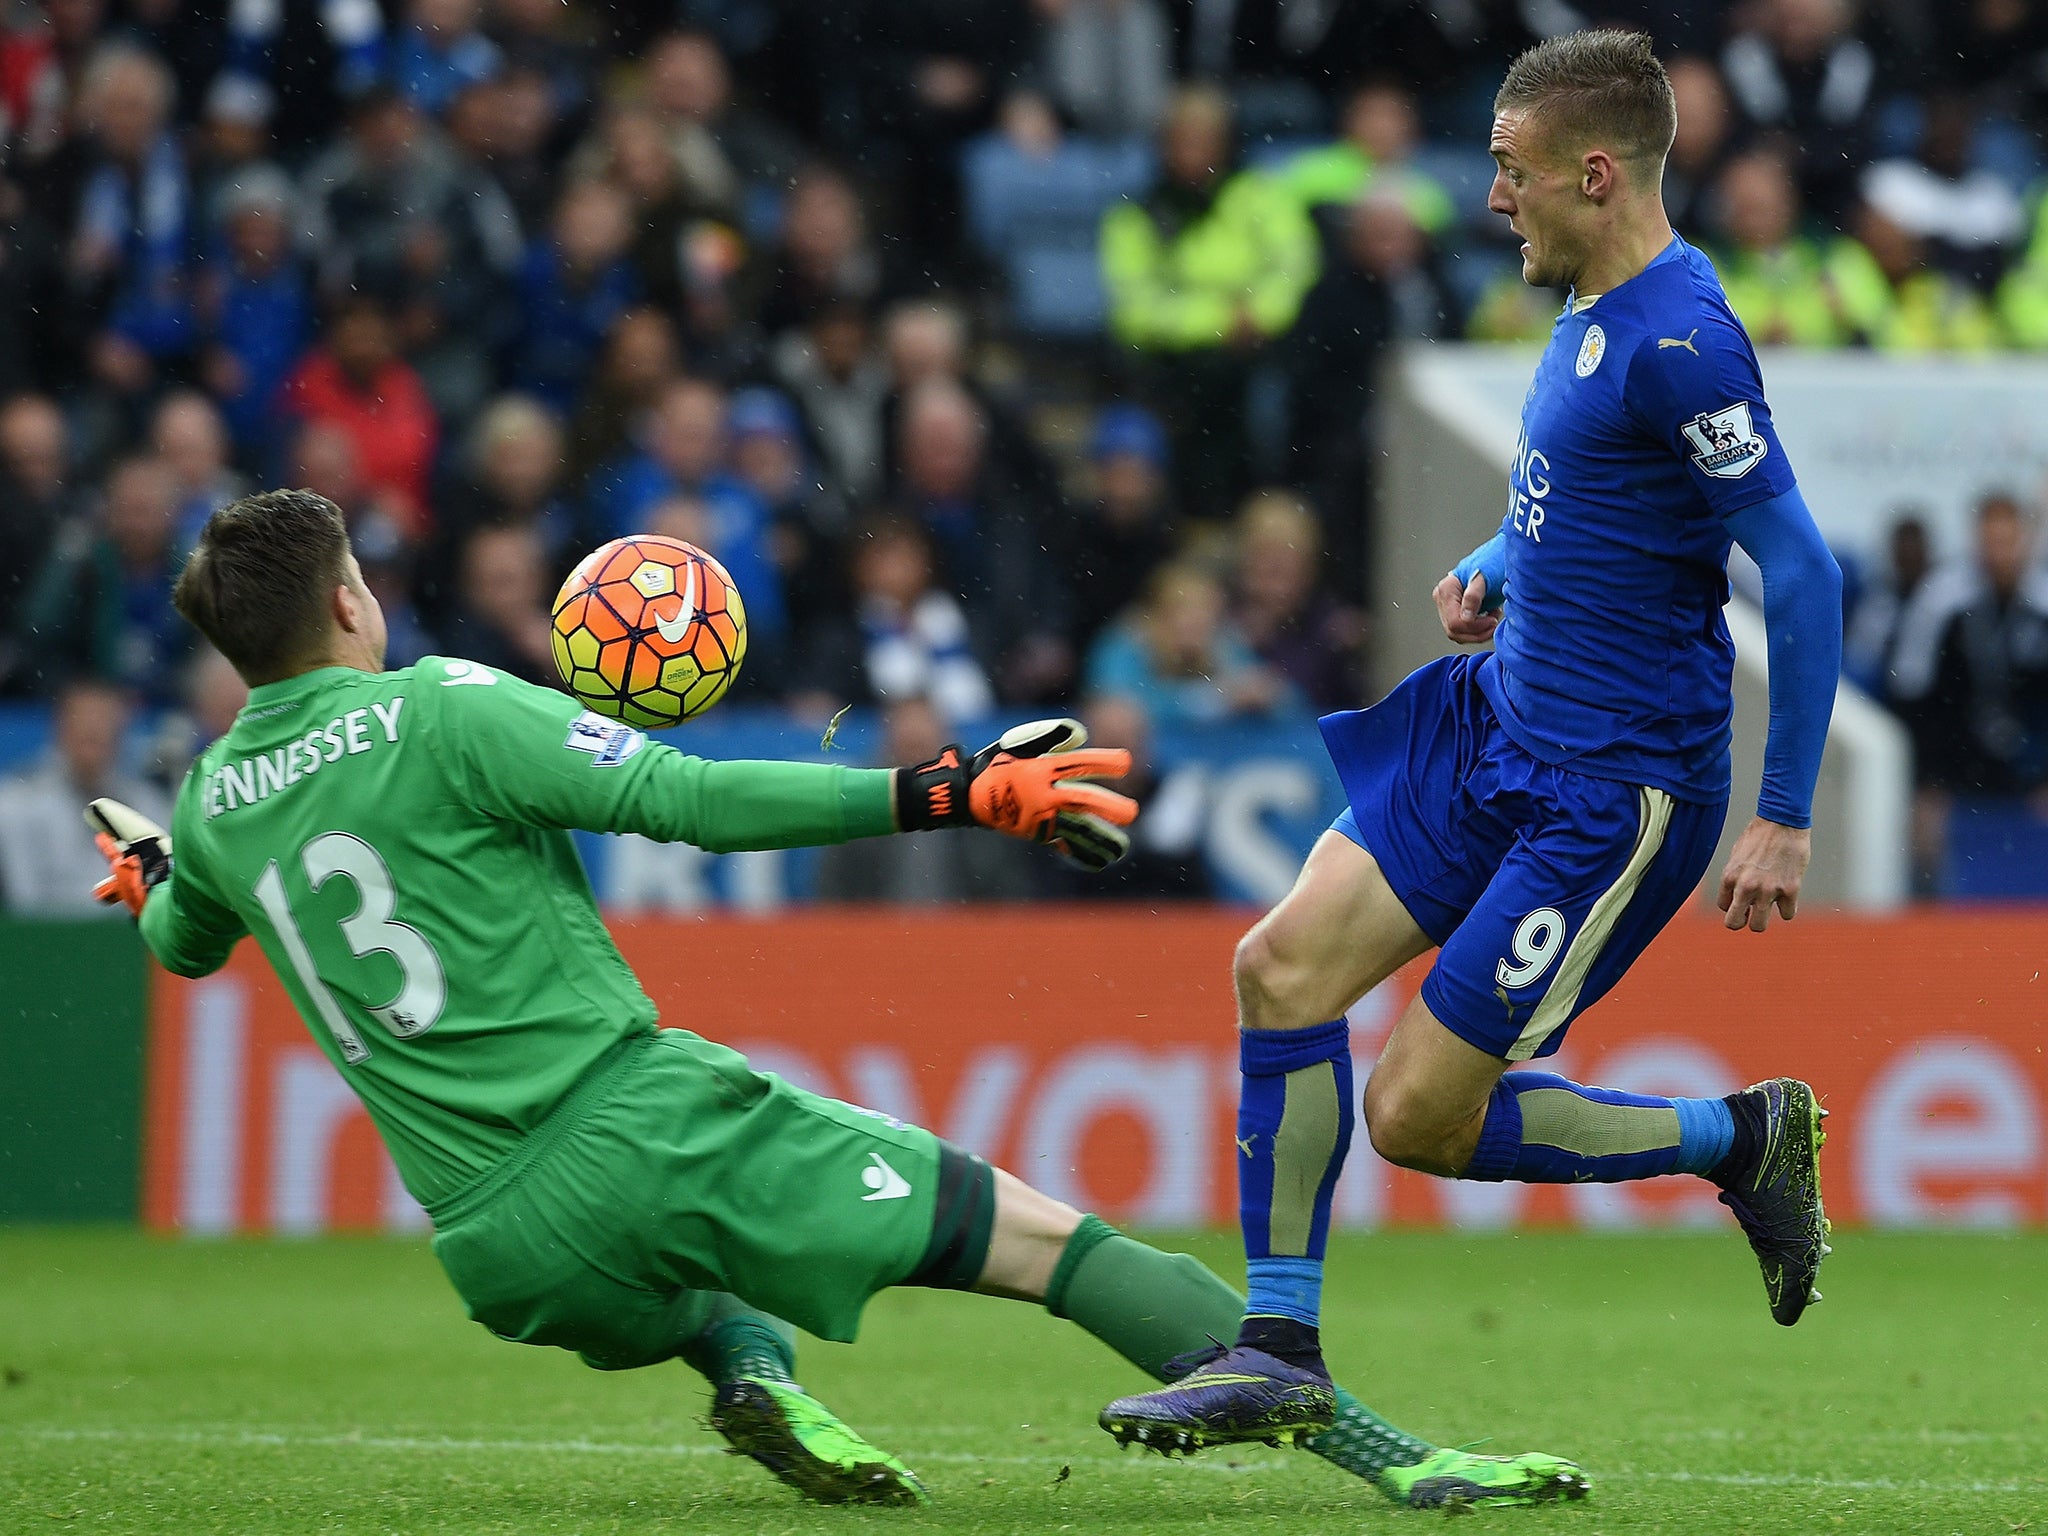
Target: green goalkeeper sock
x,y
732,1339
1150,1306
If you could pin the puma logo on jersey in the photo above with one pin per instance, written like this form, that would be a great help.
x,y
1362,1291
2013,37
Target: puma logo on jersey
x,y
673,630
883,1182
1675,341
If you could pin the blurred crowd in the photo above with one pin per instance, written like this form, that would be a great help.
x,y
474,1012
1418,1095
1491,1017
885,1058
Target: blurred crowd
x,y
1010,353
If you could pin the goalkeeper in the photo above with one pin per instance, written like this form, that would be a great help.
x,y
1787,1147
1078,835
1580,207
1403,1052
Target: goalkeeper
x,y
397,843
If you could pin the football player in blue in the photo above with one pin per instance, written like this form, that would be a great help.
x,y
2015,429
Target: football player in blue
x,y
1538,813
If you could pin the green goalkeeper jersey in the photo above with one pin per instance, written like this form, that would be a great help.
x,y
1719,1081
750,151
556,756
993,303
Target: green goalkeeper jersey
x,y
398,844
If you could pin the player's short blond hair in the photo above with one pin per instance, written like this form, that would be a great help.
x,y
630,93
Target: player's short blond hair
x,y
1603,90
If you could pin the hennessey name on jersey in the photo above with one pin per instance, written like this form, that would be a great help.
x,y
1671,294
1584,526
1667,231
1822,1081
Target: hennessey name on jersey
x,y
234,785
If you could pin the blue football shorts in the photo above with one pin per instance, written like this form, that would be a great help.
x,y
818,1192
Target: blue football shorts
x,y
1539,885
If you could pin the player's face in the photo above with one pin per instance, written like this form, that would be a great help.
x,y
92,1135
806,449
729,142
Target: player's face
x,y
1541,198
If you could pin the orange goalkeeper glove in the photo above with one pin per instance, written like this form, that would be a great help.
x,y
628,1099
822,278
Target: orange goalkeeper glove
x,y
1034,783
138,853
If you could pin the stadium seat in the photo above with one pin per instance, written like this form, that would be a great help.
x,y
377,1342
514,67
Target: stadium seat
x,y
1997,851
1038,218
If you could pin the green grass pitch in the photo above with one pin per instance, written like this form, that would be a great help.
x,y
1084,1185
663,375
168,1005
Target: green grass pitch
x,y
334,1386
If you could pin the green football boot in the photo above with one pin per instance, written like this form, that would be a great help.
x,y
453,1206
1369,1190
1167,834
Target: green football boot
x,y
802,1442
1459,1479
1776,1196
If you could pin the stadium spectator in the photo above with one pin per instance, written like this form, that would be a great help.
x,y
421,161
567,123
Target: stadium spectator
x,y
101,605
1166,861
504,127
928,340
1375,154
1799,68
513,473
1702,145
130,254
732,160
573,287
632,149
825,253
2022,295
1869,646
1180,658
1892,297
190,440
685,452
1278,603
1379,287
928,75
231,144
640,360
1126,528
390,563
989,537
1775,277
35,310
255,307
842,387
37,501
543,45
925,868
312,57
500,617
395,211
440,50
356,381
1108,64
213,694
1971,671
1971,217
807,515
1202,274
43,53
48,864
906,638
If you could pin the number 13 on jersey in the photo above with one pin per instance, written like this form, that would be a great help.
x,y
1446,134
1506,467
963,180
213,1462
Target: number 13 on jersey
x,y
422,987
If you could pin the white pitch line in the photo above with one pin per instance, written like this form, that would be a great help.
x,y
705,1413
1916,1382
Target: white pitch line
x,y
273,1439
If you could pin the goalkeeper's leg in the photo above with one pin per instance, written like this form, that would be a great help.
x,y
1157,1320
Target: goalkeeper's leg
x,y
749,1358
1167,1312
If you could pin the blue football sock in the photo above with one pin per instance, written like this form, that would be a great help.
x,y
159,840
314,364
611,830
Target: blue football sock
x,y
1294,1122
1541,1129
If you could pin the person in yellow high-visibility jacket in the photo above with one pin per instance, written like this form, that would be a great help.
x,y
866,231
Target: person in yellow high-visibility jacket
x,y
1894,301
1775,278
1202,274
2023,293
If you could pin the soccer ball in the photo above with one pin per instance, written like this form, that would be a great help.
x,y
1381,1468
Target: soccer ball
x,y
649,630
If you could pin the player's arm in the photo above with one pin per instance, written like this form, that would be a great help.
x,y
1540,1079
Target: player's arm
x,y
1803,622
186,926
1706,402
1469,598
530,755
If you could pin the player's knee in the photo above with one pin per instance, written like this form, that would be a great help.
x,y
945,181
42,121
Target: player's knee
x,y
1268,984
1405,1127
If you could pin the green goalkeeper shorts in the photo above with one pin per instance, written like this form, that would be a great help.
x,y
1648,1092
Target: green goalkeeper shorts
x,y
672,1169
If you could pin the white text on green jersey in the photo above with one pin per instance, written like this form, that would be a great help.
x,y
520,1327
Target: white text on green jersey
x,y
234,785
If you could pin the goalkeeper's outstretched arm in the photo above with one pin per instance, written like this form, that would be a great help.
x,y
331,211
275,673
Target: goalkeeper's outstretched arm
x,y
530,755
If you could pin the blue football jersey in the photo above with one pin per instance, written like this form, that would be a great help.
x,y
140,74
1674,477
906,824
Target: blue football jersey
x,y
1645,425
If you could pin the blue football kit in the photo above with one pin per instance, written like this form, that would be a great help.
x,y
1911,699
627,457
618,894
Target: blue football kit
x,y
1542,811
